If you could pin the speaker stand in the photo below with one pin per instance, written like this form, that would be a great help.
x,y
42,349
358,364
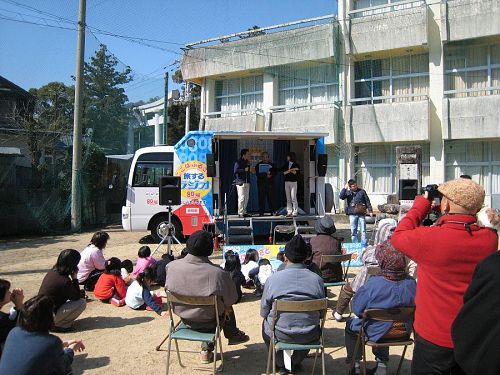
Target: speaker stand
x,y
169,230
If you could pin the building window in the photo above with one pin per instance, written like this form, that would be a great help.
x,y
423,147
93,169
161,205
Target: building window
x,y
393,79
233,96
314,84
472,71
371,7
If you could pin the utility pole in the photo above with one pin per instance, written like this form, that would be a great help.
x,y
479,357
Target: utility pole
x,y
188,109
76,196
165,110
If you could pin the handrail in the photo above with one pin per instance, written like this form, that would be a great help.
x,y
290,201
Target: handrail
x,y
278,108
248,111
464,91
390,7
426,96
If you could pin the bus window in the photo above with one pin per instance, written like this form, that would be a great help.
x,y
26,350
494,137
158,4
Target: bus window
x,y
147,174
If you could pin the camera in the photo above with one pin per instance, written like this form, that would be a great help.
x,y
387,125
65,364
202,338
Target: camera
x,y
433,192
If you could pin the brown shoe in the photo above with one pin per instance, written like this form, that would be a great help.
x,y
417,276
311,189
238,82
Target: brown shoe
x,y
239,338
206,357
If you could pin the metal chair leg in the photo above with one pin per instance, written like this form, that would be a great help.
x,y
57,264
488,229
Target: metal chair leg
x,y
401,360
364,356
323,360
274,359
178,353
221,368
169,346
269,358
315,358
215,355
356,347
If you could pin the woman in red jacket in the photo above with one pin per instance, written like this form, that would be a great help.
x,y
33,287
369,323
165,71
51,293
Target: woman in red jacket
x,y
110,288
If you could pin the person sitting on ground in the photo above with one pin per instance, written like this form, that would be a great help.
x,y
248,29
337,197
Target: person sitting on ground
x,y
139,296
8,321
144,261
110,288
160,273
196,276
233,266
447,254
260,274
92,262
294,283
61,285
392,288
30,349
325,244
126,269
250,263
384,231
226,254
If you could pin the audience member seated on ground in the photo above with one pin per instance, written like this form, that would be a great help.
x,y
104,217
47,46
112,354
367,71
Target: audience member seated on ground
x,y
447,254
384,231
233,266
127,267
325,244
294,283
92,262
110,288
196,276
160,273
8,320
260,274
393,288
139,296
250,263
60,284
144,261
476,329
226,254
30,349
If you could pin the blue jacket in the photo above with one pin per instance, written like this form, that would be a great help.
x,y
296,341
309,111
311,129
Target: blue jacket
x,y
27,353
351,197
380,293
294,283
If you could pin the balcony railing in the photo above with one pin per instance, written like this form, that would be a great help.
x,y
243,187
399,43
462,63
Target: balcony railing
x,y
234,112
386,99
449,93
293,107
386,8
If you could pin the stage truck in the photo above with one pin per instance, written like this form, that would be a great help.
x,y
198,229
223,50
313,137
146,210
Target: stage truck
x,y
204,160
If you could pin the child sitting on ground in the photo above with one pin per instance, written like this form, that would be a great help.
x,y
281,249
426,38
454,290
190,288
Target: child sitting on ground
x,y
160,272
260,274
233,266
127,268
145,260
110,287
139,296
250,263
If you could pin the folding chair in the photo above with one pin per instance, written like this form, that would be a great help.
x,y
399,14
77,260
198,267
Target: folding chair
x,y
333,259
280,306
180,331
397,314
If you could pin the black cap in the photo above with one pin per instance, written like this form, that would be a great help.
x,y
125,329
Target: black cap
x,y
200,244
325,225
296,250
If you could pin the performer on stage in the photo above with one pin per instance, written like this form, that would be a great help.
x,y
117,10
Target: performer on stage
x,y
242,181
291,171
265,173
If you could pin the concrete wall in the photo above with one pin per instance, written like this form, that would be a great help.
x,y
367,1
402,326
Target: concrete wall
x,y
393,122
467,19
468,118
235,123
273,49
387,31
322,120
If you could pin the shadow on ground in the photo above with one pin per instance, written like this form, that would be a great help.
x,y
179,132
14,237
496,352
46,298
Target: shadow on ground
x,y
83,363
103,322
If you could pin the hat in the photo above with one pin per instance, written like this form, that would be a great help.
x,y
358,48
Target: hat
x,y
297,250
392,263
325,225
464,193
200,244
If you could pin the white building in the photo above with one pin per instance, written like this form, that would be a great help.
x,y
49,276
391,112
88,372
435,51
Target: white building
x,y
381,74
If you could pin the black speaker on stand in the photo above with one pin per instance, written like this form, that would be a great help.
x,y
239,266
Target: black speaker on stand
x,y
170,195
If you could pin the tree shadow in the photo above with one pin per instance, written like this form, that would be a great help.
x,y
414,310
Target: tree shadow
x,y
23,272
103,322
32,241
83,363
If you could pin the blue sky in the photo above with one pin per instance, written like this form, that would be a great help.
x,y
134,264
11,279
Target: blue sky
x,y
33,55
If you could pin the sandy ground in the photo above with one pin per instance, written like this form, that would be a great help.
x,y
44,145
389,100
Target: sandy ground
x,y
123,341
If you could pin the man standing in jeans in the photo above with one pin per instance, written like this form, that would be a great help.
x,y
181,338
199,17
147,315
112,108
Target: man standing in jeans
x,y
242,181
357,206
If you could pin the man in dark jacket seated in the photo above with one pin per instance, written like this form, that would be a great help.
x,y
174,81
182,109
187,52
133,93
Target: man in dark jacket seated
x,y
325,244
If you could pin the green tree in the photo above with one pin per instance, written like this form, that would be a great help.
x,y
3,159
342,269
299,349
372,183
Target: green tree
x,y
104,101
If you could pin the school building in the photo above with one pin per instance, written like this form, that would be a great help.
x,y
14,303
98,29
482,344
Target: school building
x,y
379,74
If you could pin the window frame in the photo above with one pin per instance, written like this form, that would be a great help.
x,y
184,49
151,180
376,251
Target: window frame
x,y
240,95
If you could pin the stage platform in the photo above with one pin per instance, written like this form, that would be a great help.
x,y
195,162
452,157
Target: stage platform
x,y
270,218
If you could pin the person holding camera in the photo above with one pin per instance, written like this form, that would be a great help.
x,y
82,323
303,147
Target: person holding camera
x,y
447,254
242,181
357,206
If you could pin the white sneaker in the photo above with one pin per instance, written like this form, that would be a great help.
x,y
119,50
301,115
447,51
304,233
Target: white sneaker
x,y
337,316
381,368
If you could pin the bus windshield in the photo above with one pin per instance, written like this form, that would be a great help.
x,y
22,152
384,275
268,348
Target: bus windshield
x,y
150,167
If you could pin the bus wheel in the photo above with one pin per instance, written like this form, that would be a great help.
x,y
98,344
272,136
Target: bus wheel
x,y
159,228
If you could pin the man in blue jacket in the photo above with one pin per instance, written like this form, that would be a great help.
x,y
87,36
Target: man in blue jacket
x,y
357,206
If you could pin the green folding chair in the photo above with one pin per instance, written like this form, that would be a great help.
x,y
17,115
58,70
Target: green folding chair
x,y
334,259
181,332
280,306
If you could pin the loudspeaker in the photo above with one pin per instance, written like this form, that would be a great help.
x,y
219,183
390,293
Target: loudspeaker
x,y
211,169
170,190
322,164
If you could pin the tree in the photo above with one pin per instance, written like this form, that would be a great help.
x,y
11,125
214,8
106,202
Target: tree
x,y
104,101
252,33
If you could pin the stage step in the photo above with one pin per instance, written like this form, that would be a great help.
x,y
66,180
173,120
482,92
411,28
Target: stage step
x,y
239,239
240,230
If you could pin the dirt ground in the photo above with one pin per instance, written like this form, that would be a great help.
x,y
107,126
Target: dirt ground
x,y
123,341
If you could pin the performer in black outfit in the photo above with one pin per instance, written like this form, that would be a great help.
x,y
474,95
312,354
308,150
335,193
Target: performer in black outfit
x,y
265,172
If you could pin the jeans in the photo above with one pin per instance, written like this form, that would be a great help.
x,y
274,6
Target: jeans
x,y
243,195
356,220
292,205
351,337
432,359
